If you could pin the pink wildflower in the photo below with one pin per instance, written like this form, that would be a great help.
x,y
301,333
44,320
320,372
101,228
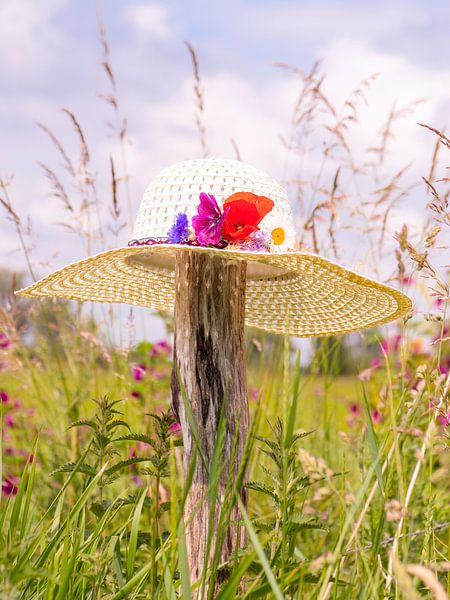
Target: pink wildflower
x,y
175,428
4,341
375,363
9,420
376,417
4,397
138,372
444,419
161,348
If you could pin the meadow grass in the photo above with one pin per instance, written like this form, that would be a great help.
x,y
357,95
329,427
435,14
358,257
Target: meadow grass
x,y
347,457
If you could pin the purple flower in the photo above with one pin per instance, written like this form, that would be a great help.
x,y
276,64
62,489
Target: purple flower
x,y
4,397
179,231
9,420
136,394
4,341
138,372
10,485
208,220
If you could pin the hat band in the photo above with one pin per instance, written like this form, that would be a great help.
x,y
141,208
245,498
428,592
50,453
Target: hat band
x,y
155,241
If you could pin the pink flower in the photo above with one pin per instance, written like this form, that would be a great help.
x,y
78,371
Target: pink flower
x,y
354,408
175,428
4,397
376,417
391,344
444,419
160,348
136,394
4,341
9,420
375,363
138,372
10,485
137,480
254,393
17,404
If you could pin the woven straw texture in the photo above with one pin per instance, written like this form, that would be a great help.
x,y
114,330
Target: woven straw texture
x,y
290,292
176,190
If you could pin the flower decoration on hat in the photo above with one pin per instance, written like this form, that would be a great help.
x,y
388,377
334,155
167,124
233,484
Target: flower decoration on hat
x,y
237,224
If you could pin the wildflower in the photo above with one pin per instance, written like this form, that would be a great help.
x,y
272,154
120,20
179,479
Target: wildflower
x,y
376,417
160,348
4,397
179,231
138,372
9,420
391,344
375,363
10,485
254,393
137,480
175,428
258,242
4,341
278,235
243,213
444,419
208,221
136,394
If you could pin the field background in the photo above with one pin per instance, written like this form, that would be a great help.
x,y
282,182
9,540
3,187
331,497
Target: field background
x,y
358,507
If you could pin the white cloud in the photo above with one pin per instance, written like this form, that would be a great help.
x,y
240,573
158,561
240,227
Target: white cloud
x,y
316,23
28,34
149,20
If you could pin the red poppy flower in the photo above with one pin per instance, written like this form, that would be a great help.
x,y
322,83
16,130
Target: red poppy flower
x,y
244,212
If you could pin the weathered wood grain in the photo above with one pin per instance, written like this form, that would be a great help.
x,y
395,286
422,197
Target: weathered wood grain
x,y
209,359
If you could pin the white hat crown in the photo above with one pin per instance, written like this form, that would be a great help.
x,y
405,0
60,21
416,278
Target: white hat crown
x,y
176,190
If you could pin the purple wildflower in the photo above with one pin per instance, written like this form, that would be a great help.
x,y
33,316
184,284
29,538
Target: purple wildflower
x,y
4,397
208,221
4,341
179,231
136,394
10,485
9,420
138,372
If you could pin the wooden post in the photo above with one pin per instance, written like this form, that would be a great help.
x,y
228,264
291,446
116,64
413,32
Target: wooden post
x,y
209,356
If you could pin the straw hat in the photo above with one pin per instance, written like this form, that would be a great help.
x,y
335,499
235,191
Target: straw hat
x,y
288,291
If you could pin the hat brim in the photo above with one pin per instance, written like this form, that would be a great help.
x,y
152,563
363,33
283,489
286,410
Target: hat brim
x,y
295,293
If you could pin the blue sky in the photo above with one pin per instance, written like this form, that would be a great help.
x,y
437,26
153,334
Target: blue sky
x,y
50,59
